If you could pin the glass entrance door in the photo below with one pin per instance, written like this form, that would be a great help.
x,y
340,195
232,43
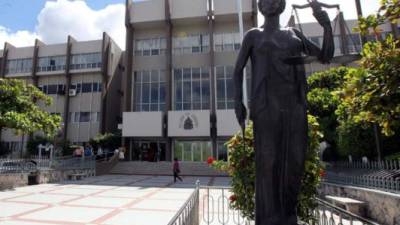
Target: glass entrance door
x,y
151,151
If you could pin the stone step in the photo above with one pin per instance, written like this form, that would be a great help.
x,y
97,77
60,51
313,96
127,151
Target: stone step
x,y
165,168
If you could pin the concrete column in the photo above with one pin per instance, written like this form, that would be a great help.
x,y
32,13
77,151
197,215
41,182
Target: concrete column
x,y
67,75
213,115
169,80
4,61
343,38
127,104
106,45
34,62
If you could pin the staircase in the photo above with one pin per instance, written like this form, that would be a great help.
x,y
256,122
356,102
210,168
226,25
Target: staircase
x,y
164,168
104,167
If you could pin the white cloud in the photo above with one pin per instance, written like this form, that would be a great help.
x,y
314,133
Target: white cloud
x,y
61,18
20,38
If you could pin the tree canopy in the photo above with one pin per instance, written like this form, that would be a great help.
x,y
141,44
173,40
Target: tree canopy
x,y
19,109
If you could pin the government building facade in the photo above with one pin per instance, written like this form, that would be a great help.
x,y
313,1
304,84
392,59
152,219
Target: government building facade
x,y
170,93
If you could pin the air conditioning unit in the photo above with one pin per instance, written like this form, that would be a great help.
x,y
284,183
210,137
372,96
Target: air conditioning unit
x,y
72,92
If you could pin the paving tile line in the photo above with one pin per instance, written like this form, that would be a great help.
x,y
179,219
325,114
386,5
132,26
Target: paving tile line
x,y
48,206
128,206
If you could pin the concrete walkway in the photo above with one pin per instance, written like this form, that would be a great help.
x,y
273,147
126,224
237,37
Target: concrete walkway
x,y
103,200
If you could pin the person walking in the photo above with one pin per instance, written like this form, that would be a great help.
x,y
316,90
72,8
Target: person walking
x,y
176,169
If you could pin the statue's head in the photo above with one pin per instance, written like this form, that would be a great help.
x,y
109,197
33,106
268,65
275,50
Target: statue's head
x,y
271,7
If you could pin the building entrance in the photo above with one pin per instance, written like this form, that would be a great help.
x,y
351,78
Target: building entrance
x,y
151,151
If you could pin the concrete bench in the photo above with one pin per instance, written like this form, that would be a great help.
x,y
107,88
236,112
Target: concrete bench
x,y
349,204
76,176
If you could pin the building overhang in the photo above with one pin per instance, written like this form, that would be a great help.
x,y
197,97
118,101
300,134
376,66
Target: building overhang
x,y
189,123
142,124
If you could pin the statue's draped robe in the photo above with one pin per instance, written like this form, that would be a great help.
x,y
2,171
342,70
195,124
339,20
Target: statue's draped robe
x,y
278,110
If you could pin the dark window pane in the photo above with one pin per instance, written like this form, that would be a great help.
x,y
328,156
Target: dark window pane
x,y
52,89
95,87
84,117
145,76
86,87
162,93
146,93
154,93
78,88
154,76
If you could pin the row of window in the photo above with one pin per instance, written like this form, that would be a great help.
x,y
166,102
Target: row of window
x,y
191,88
52,63
59,89
87,87
84,117
195,43
198,151
55,63
19,66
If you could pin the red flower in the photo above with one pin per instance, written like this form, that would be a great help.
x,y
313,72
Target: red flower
x,y
322,173
232,198
210,160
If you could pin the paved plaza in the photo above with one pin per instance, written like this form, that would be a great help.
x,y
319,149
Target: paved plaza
x,y
104,200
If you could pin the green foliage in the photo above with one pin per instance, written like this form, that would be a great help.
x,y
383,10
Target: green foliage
x,y
322,101
371,93
107,140
241,167
31,145
389,10
19,111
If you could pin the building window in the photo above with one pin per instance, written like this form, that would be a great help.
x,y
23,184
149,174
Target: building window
x,y
15,66
86,61
52,63
191,89
53,89
196,151
222,151
191,44
150,90
84,117
87,87
226,42
224,85
224,75
150,47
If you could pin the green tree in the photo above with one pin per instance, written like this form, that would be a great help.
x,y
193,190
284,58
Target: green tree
x,y
323,102
19,111
370,96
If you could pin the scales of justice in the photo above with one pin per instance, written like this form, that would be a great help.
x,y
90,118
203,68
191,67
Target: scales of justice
x,y
278,102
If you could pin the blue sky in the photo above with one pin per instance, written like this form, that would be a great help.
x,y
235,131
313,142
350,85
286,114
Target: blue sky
x,y
21,21
21,14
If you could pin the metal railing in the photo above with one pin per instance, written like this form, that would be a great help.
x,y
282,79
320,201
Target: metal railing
x,y
188,214
216,210
371,165
388,184
328,214
216,207
37,164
